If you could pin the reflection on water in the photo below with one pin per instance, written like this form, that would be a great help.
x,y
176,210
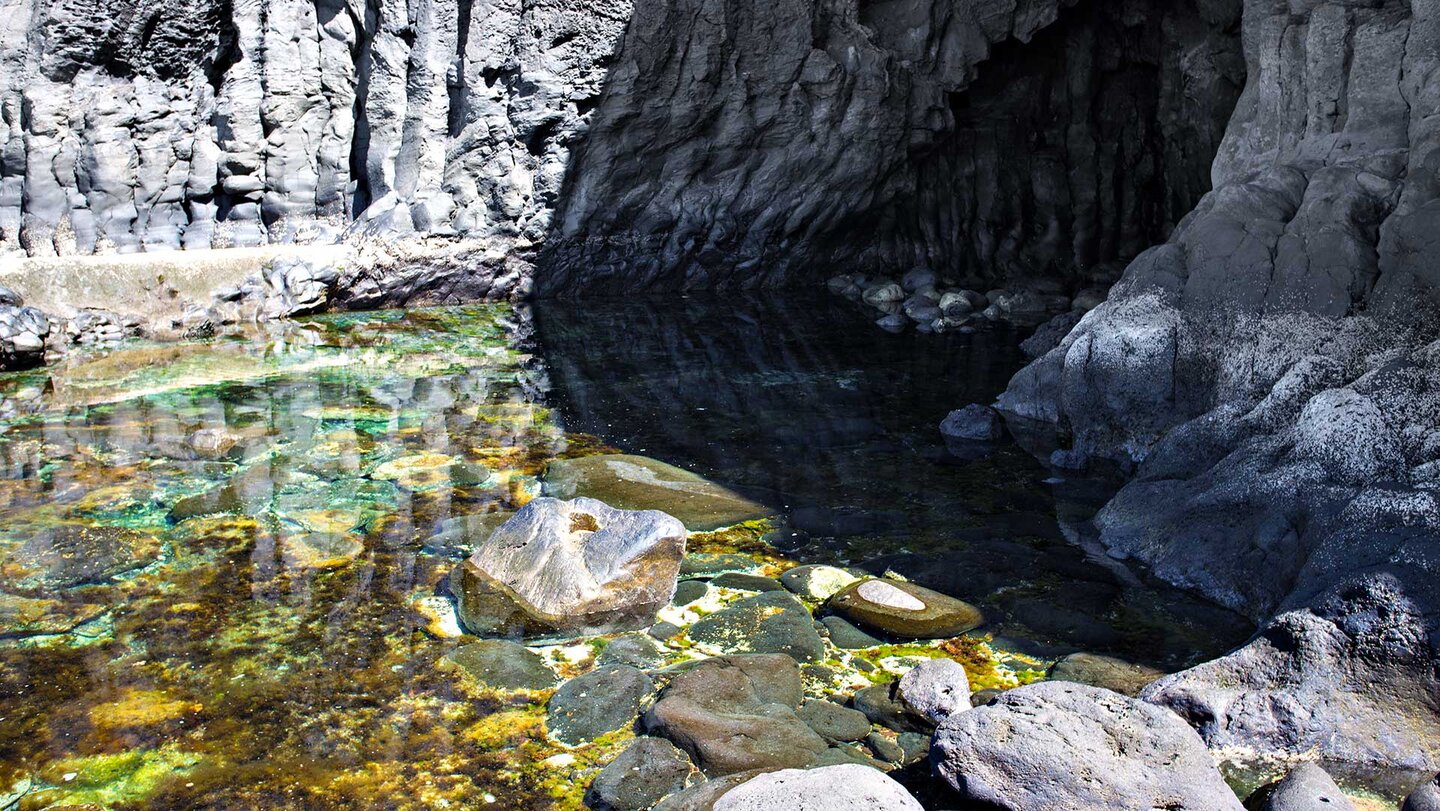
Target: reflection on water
x,y
217,557
810,409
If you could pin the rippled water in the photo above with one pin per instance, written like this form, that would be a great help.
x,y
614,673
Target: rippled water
x,y
216,555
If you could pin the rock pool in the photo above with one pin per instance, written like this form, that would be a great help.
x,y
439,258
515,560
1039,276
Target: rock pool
x,y
225,561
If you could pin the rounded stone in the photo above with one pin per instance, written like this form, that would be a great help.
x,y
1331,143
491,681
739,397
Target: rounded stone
x,y
846,787
936,689
905,609
772,622
1306,788
600,702
649,770
833,722
501,665
817,582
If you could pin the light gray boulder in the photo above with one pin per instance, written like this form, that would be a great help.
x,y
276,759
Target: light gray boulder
x,y
1053,746
571,567
936,689
1306,788
847,787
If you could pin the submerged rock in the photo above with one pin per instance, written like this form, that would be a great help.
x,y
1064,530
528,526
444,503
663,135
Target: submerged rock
x,y
428,470
1053,746
771,622
636,650
975,422
320,550
846,787
1306,788
25,616
501,665
1095,670
575,567
905,609
631,482
602,701
71,555
649,770
737,713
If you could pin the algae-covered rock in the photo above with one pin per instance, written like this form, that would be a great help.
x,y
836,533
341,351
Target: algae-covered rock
x,y
25,616
771,622
639,483
501,665
905,609
70,555
601,701
320,550
635,649
427,470
575,567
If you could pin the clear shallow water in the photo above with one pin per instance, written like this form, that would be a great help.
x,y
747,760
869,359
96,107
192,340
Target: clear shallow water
x,y
156,653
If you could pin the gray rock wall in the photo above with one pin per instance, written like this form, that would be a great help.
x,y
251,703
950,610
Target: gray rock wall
x,y
159,124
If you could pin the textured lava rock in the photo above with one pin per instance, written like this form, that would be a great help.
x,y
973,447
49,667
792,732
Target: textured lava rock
x,y
571,566
1306,788
1053,746
1424,798
599,702
645,773
936,689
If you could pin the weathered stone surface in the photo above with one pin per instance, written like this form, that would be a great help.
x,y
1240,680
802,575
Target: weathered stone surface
x,y
1306,788
498,664
641,776
737,713
772,622
72,555
25,616
1350,680
975,422
604,700
1053,746
1424,798
848,787
636,650
936,689
905,609
833,722
576,566
640,483
816,582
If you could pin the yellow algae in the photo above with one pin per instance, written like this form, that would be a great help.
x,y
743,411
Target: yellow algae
x,y
141,709
105,780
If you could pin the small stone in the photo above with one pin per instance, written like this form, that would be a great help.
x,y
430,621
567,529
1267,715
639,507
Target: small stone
x,y
916,747
1424,798
501,665
975,423
664,631
886,747
846,636
833,722
649,770
428,470
1306,788
883,293
936,689
772,622
917,279
746,582
880,704
320,550
701,564
636,650
817,582
599,702
893,323
688,591
905,609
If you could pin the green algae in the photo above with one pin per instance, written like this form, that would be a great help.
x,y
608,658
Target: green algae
x,y
122,779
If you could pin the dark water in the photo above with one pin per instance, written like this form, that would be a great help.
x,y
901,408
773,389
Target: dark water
x,y
807,407
217,580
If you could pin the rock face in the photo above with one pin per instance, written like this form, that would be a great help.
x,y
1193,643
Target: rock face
x,y
1053,746
1272,372
571,566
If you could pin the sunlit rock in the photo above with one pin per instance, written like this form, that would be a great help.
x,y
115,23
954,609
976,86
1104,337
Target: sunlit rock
x,y
639,483
905,609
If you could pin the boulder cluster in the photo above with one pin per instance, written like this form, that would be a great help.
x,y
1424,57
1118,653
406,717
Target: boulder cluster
x,y
924,300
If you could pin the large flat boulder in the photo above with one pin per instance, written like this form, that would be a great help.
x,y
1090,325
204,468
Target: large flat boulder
x,y
1055,746
905,609
639,483
574,567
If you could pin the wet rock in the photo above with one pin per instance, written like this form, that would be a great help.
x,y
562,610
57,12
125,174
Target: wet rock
x,y
631,482
635,650
460,536
649,770
25,616
71,555
1050,334
975,423
883,293
1095,670
918,279
816,582
846,787
428,470
772,622
23,331
737,713
600,702
1053,746
936,689
746,582
1424,798
904,609
882,705
320,550
574,567
1306,788
833,722
703,564
498,664
847,636
688,591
